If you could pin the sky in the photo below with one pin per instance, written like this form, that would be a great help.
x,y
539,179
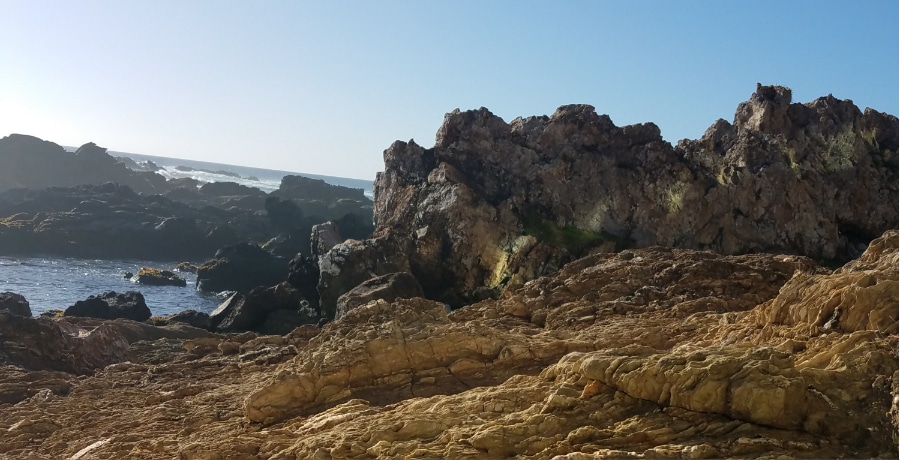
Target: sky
x,y
325,87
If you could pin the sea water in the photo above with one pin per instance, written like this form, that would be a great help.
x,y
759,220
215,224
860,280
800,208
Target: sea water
x,y
266,180
50,283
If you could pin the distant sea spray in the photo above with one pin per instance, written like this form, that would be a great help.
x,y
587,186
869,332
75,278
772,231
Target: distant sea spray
x,y
266,180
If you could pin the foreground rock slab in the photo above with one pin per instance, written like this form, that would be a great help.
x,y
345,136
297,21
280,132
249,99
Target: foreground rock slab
x,y
648,353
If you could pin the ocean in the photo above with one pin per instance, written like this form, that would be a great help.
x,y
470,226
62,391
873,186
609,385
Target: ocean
x,y
57,283
266,180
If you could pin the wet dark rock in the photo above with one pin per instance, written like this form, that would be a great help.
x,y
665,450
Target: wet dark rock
x,y
250,312
386,287
14,303
111,221
303,275
156,277
111,305
241,267
192,318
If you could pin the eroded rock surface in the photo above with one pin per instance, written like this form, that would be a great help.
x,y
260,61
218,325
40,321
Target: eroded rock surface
x,y
495,204
111,305
386,287
648,353
14,303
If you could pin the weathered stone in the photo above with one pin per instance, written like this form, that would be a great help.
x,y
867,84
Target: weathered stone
x,y
251,312
111,305
352,262
157,277
192,318
241,267
642,354
324,237
817,179
386,287
14,303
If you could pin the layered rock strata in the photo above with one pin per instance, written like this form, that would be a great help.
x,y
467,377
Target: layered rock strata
x,y
648,353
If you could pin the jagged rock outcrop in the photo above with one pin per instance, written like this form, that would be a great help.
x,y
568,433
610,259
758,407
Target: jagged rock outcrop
x,y
225,195
97,207
29,162
495,204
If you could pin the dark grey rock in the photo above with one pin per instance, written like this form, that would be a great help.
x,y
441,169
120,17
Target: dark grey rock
x,y
14,303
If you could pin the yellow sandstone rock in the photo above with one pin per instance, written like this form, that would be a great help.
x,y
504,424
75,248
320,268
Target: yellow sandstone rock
x,y
649,353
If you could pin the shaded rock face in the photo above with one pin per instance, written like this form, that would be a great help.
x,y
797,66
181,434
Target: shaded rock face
x,y
111,305
241,267
352,262
14,303
324,237
495,204
192,318
315,197
41,356
273,310
303,275
112,221
646,353
387,287
29,162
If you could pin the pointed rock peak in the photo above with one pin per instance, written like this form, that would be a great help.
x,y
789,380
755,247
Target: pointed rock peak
x,y
766,111
471,123
778,95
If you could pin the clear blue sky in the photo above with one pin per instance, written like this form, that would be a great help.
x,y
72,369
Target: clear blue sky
x,y
324,87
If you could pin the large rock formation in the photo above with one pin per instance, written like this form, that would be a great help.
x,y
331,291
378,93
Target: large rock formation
x,y
29,162
495,204
648,353
112,221
90,204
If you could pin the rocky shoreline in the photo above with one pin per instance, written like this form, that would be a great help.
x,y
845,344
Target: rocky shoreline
x,y
554,287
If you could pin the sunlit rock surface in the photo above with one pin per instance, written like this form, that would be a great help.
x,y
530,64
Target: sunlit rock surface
x,y
648,353
495,204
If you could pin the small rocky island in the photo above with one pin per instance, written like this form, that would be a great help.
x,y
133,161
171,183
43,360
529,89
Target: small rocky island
x,y
551,287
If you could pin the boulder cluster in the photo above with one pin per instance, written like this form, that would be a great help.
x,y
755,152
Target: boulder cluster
x,y
553,287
